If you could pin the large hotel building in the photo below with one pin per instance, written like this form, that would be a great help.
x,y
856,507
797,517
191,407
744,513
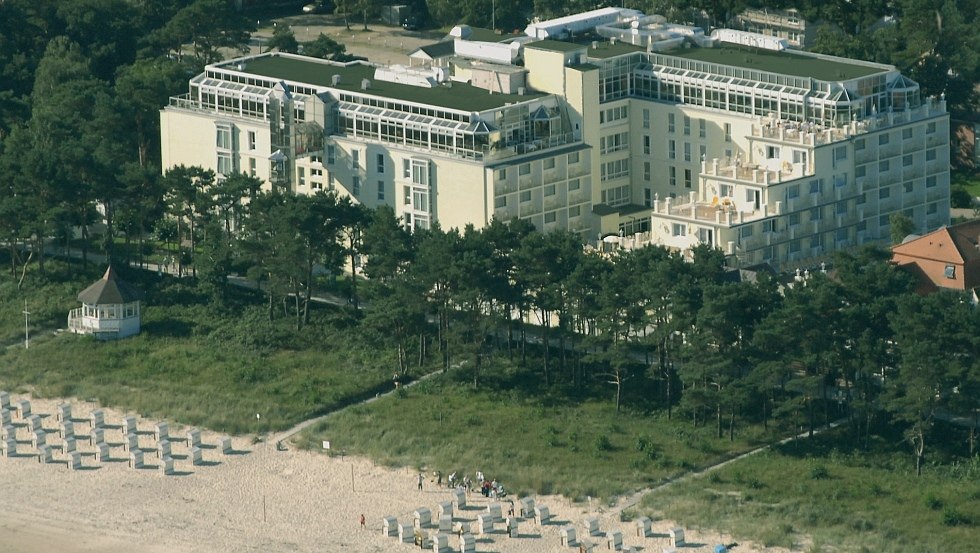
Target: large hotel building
x,y
612,124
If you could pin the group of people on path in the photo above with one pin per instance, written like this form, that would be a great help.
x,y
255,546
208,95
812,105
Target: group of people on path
x,y
489,488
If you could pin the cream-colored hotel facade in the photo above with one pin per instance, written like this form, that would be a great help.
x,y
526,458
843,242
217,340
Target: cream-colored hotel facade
x,y
611,124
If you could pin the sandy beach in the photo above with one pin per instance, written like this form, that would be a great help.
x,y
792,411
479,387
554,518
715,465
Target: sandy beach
x,y
258,499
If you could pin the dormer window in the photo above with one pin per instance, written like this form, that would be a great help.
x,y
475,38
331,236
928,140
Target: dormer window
x,y
950,271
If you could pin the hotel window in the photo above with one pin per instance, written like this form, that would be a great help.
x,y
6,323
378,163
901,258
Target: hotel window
x,y
687,178
931,181
842,208
769,225
859,145
381,164
884,193
932,209
549,163
772,152
702,152
702,128
549,217
501,174
793,191
678,229
687,151
573,158
931,155
794,219
224,163
908,187
672,171
670,122
420,172
524,169
860,171
549,190
907,133
883,221
500,201
647,197
357,186
840,153
646,144
574,211
331,155
223,139
883,166
687,126
745,232
728,132
381,190
907,160
526,196
646,171
355,159
794,246
883,139
573,184
816,185
931,128
671,149
251,166
646,119
251,140
407,170
816,214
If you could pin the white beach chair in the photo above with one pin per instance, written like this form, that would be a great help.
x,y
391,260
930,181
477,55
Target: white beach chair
x,y
161,431
64,412
591,526
614,540
389,527
676,537
74,461
643,527
566,536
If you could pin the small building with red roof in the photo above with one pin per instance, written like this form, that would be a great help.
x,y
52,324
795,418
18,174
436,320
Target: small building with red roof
x,y
945,258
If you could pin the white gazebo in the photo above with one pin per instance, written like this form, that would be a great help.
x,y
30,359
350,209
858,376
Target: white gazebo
x,y
110,309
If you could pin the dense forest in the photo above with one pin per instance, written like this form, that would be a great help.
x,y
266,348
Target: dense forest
x,y
83,81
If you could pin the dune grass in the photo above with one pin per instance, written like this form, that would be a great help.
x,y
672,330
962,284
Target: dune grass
x,y
820,499
194,363
531,440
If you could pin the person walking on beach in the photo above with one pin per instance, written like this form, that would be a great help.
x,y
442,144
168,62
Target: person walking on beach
x,y
363,522
420,481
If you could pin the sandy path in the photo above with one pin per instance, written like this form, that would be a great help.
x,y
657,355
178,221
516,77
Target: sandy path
x,y
261,500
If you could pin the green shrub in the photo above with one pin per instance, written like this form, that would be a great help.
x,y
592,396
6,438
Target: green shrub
x,y
819,472
952,517
602,443
934,502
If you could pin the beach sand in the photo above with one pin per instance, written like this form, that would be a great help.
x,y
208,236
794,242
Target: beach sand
x,y
257,500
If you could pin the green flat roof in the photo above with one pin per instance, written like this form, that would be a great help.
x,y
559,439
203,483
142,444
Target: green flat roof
x,y
605,50
312,72
554,46
784,62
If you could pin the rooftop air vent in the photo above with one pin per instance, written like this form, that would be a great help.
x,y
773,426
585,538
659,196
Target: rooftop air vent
x,y
521,90
335,80
365,84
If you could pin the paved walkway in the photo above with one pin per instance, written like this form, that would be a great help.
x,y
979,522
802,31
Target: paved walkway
x,y
635,498
281,437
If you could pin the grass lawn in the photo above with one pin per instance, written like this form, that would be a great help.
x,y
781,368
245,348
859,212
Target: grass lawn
x,y
531,441
968,182
822,499
192,363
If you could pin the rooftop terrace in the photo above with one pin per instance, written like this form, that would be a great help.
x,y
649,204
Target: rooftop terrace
x,y
316,73
784,63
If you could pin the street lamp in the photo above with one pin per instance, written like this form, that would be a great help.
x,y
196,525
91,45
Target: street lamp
x,y
27,328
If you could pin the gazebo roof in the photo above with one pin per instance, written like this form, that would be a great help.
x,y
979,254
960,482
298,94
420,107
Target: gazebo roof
x,y
110,290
